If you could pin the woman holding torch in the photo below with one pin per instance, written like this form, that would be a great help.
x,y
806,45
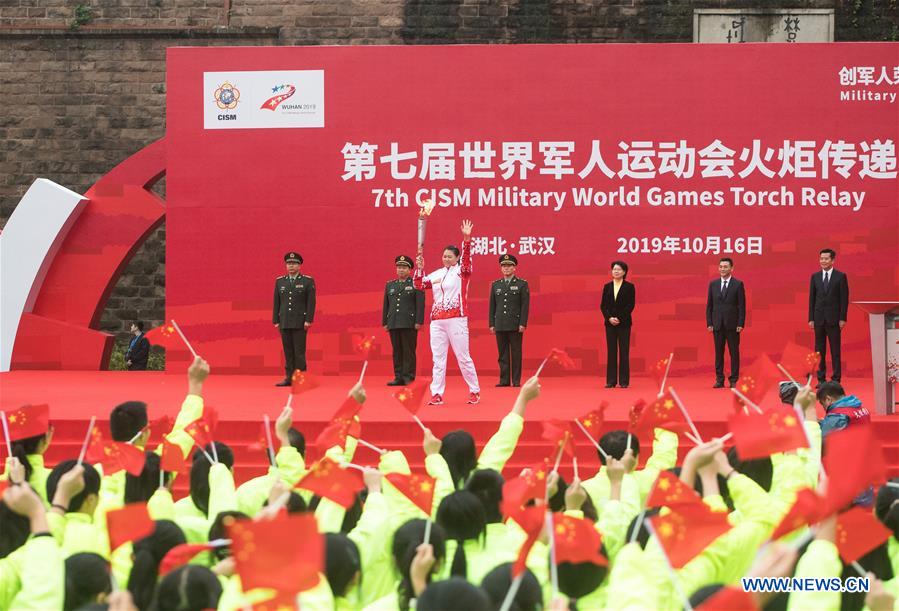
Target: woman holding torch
x,y
449,314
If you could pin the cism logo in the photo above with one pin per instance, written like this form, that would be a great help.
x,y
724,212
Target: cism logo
x,y
226,98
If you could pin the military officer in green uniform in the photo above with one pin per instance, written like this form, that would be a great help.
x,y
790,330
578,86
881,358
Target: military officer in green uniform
x,y
293,312
509,302
402,317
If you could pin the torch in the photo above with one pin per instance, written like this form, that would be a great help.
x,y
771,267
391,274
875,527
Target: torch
x,y
424,212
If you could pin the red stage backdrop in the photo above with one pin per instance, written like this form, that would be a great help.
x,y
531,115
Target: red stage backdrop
x,y
665,156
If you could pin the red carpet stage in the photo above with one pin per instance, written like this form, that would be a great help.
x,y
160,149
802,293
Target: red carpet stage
x,y
241,400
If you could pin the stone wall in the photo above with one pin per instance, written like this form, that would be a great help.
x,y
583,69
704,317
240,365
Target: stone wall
x,y
82,83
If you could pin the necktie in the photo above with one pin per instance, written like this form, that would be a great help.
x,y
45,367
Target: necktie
x,y
723,288
826,280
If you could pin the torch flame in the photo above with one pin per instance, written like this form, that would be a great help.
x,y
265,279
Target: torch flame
x,y
427,207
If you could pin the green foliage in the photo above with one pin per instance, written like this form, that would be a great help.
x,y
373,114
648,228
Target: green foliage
x,y
83,15
117,360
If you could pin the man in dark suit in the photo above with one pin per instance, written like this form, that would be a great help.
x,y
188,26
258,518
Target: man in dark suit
x,y
293,312
725,316
138,352
828,307
510,300
402,316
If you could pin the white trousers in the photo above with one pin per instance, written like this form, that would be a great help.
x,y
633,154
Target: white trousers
x,y
445,333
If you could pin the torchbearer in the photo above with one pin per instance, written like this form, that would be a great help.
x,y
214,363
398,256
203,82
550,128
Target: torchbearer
x,y
510,300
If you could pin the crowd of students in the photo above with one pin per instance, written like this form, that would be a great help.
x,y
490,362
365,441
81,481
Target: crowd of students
x,y
55,550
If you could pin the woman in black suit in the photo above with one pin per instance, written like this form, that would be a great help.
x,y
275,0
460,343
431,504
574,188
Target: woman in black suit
x,y
617,305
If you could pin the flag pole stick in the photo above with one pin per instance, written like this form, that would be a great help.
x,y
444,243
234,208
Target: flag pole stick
x,y
859,568
161,478
559,458
427,531
784,371
628,446
184,339
510,595
665,377
350,465
268,439
364,367
590,437
6,433
683,410
637,525
371,446
553,567
540,368
574,464
419,423
746,400
215,454
90,429
674,580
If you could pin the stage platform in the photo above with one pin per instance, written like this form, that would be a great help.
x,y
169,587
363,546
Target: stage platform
x,y
241,401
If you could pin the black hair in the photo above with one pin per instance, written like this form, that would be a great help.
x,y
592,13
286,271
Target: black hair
x,y
462,517
620,264
141,487
218,530
148,553
728,259
188,588
199,473
886,496
497,582
297,440
453,594
352,515
487,485
139,324
704,593
642,535
828,251
876,561
87,576
557,501
127,420
14,530
759,470
723,490
91,483
21,448
579,579
405,544
342,562
831,389
458,451
614,443
787,392
453,249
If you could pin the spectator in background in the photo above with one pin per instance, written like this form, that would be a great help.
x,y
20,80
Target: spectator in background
x,y
138,352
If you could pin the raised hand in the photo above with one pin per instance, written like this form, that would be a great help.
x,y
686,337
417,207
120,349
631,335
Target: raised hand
x,y
466,228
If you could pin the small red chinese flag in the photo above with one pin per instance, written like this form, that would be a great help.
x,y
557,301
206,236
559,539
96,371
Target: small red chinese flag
x,y
518,491
301,382
343,423
858,532
559,435
164,336
576,540
327,479
670,491
181,554
417,488
172,458
363,344
662,413
531,519
729,599
634,414
130,523
557,355
412,397
200,430
755,381
28,421
761,435
799,361
657,370
286,553
114,455
807,509
593,420
686,530
853,461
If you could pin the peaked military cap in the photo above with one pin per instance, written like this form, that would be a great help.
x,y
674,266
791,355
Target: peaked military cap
x,y
404,260
508,259
293,257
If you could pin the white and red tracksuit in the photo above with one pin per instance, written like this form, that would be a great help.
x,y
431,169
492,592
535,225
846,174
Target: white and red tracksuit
x,y
449,319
